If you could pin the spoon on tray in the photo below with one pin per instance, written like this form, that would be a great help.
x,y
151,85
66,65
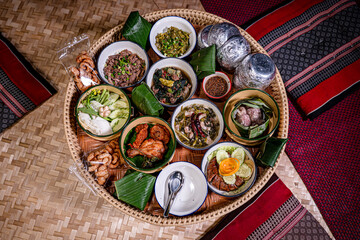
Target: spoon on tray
x,y
175,181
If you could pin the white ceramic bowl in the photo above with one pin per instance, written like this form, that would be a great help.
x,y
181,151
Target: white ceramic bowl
x,y
205,103
248,160
192,194
172,21
222,75
176,63
117,47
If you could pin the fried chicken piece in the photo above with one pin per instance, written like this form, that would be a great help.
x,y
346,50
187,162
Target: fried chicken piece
x,y
149,148
160,132
142,133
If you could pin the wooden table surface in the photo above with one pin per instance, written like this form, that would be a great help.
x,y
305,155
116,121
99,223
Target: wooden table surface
x,y
39,197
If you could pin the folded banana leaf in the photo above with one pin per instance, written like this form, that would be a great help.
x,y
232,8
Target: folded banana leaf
x,y
269,151
145,101
256,130
204,61
135,189
137,29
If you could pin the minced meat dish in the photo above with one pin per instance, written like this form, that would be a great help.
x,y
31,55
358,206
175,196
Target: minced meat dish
x,y
124,69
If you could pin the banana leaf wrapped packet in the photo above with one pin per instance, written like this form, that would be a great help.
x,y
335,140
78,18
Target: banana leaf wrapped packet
x,y
135,189
270,151
137,29
145,101
204,61
251,117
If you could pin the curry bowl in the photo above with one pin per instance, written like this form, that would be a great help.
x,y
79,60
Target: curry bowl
x,y
147,144
221,178
198,124
172,80
260,132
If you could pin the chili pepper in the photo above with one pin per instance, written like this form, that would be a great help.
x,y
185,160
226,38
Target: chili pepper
x,y
198,125
193,124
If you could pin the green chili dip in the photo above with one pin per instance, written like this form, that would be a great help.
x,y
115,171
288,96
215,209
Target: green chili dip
x,y
173,43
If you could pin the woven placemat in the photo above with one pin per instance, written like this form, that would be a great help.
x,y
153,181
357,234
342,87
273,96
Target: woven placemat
x,y
39,198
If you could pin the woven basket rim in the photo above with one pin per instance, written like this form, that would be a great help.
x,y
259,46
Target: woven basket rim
x,y
199,18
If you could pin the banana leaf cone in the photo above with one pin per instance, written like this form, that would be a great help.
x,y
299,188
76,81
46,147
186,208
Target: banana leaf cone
x,y
204,61
270,151
137,29
135,189
145,101
255,131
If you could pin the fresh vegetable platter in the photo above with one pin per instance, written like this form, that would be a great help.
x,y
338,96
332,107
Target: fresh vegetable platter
x,y
215,205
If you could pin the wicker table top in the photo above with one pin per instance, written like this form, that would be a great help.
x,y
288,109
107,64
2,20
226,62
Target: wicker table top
x,y
39,197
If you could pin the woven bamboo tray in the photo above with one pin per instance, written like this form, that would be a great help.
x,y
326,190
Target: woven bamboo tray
x,y
276,89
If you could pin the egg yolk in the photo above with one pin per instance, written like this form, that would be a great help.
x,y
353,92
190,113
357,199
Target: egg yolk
x,y
229,166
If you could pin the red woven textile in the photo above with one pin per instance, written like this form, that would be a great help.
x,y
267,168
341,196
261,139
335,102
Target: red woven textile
x,y
326,154
326,150
22,88
268,217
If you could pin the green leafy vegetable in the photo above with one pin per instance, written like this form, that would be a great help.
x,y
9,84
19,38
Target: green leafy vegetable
x,y
89,111
137,29
145,101
204,61
135,189
104,96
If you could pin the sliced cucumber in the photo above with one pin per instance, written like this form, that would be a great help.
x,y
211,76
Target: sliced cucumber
x,y
112,98
117,123
221,155
229,179
119,113
244,171
119,104
228,149
239,154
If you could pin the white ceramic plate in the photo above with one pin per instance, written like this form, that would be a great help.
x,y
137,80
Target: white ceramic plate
x,y
116,48
248,160
176,63
192,194
172,21
205,103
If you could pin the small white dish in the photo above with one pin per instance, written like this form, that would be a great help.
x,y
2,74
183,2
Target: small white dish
x,y
192,194
207,104
172,21
176,63
116,48
219,74
248,160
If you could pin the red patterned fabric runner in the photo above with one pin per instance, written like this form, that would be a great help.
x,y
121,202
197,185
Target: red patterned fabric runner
x,y
314,41
268,217
21,87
